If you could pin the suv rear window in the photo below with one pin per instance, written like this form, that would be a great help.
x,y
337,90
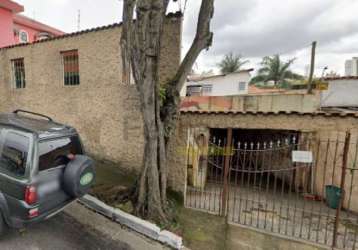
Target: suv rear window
x,y
54,153
14,149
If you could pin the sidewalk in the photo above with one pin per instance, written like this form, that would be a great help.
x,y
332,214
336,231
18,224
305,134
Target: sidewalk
x,y
111,229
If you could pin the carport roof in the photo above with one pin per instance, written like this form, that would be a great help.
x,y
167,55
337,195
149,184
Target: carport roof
x,y
317,113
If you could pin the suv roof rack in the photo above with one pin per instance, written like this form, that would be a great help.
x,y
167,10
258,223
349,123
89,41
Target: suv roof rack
x,y
33,113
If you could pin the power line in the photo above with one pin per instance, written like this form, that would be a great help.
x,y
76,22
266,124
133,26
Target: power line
x,y
288,51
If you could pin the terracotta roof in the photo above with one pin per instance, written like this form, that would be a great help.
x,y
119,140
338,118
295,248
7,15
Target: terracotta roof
x,y
26,21
341,78
64,36
318,113
253,90
106,27
196,78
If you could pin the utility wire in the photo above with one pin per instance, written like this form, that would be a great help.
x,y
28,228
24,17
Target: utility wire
x,y
288,51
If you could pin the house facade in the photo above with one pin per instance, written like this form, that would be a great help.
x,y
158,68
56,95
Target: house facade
x,y
218,85
16,28
341,92
77,79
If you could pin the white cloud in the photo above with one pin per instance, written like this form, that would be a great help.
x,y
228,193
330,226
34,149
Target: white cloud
x,y
254,28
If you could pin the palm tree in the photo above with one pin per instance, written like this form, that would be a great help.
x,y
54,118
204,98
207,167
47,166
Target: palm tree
x,y
276,70
231,63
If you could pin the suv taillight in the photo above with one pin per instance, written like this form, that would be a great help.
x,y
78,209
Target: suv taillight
x,y
30,195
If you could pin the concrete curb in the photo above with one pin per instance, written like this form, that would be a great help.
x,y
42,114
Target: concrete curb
x,y
141,226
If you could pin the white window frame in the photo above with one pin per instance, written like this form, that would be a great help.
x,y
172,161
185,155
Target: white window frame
x,y
239,86
20,36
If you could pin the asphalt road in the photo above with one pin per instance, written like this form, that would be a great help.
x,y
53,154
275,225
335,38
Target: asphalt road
x,y
61,232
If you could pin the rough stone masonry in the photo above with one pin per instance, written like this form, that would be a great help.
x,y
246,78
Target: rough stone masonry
x,y
104,109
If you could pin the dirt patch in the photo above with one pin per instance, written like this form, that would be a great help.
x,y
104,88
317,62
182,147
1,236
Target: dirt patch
x,y
202,231
109,173
112,185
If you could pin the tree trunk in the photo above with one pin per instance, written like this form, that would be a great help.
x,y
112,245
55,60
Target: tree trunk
x,y
140,44
150,196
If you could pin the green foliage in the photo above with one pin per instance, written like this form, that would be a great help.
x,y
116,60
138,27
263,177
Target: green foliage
x,y
231,63
177,197
162,94
257,79
294,76
276,70
284,85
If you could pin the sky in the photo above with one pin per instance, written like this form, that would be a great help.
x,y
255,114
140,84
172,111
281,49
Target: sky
x,y
251,28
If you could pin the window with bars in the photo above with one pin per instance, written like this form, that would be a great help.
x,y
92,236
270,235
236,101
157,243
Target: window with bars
x,y
207,89
193,90
18,71
71,67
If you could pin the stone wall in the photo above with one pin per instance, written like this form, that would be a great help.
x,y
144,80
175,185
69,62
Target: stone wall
x,y
299,102
240,237
104,109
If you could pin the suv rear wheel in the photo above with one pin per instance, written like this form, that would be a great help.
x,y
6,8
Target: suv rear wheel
x,y
79,176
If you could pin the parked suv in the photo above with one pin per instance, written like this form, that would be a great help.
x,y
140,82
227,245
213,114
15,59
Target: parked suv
x,y
43,168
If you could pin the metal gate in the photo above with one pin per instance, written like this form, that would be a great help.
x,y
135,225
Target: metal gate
x,y
257,184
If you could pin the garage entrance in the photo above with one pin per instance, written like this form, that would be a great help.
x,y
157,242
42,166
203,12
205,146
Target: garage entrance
x,y
267,179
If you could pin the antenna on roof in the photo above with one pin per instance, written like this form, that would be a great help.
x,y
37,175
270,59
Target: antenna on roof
x,y
79,20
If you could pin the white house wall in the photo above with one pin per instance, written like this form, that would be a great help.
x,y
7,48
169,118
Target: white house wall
x,y
341,93
223,85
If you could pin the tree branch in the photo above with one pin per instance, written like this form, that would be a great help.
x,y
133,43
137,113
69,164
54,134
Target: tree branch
x,y
203,39
165,4
126,38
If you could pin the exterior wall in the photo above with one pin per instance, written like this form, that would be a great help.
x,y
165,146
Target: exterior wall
x,y
177,158
224,85
239,237
264,103
10,20
341,93
319,127
104,110
33,28
31,33
6,27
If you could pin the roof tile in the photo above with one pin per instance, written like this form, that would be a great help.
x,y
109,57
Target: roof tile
x,y
110,26
317,113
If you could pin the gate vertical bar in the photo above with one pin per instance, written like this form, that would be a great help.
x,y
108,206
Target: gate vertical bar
x,y
343,180
228,151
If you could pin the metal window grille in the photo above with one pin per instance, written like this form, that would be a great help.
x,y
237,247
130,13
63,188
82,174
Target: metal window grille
x,y
18,70
71,68
193,90
206,89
